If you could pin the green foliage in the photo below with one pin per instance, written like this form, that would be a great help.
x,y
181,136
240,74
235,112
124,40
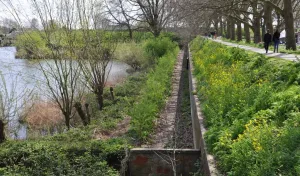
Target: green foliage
x,y
58,155
155,91
31,46
132,54
251,105
158,47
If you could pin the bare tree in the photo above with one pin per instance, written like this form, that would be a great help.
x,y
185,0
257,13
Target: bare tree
x,y
11,102
97,51
120,13
155,13
61,72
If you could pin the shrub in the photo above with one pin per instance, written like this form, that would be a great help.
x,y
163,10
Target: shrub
x,y
158,47
51,157
132,54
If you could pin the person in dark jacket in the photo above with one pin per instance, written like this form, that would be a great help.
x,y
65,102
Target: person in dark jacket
x,y
267,40
213,34
276,40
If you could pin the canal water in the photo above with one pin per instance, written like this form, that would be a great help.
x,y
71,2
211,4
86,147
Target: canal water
x,y
20,75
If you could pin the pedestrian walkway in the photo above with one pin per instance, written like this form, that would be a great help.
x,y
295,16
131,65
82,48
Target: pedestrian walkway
x,y
291,57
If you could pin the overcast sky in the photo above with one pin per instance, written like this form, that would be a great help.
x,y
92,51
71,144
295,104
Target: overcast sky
x,y
22,7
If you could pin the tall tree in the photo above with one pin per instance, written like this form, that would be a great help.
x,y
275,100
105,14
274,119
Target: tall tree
x,y
155,13
287,13
97,53
121,14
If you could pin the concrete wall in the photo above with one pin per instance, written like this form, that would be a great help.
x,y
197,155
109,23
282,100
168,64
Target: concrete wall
x,y
161,162
207,161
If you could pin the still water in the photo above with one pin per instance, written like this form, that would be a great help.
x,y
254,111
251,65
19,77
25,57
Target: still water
x,y
20,75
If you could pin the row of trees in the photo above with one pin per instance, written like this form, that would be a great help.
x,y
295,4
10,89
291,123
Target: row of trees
x,y
152,15
258,15
231,18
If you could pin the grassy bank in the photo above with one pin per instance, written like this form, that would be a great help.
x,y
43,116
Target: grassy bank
x,y
99,148
251,105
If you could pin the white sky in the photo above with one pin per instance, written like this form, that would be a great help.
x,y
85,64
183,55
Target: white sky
x,y
22,7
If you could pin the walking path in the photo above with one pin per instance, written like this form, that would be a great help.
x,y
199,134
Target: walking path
x,y
290,57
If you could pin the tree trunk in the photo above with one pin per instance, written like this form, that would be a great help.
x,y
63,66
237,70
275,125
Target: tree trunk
x,y
2,134
247,33
263,29
87,110
256,29
155,29
289,25
221,27
81,113
239,31
100,98
256,22
268,17
130,32
217,27
232,27
228,29
67,119
278,20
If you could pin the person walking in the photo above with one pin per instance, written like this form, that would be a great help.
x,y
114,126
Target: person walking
x,y
276,40
267,40
213,34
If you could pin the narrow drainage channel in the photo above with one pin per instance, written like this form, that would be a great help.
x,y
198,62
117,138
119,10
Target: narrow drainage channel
x,y
183,135
172,151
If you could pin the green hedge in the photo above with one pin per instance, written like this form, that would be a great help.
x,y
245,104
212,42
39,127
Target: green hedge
x,y
252,109
73,153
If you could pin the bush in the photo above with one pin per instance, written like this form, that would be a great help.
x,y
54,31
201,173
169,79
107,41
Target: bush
x,y
49,156
158,47
31,46
251,105
132,54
